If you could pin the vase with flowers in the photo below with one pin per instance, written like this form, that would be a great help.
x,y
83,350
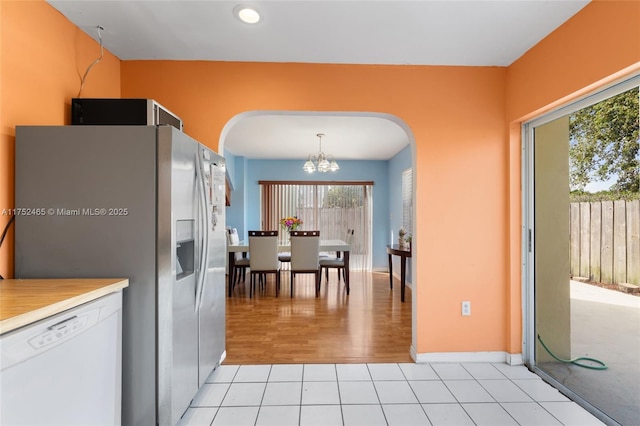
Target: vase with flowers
x,y
290,223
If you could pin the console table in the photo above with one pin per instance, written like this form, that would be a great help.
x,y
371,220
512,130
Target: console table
x,y
403,252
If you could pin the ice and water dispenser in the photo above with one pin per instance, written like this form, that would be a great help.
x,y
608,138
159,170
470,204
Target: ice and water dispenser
x,y
214,181
185,241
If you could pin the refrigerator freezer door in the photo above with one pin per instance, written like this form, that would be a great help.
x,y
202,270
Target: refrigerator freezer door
x,y
178,234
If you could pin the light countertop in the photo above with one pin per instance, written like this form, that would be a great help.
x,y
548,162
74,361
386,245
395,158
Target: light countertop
x,y
23,302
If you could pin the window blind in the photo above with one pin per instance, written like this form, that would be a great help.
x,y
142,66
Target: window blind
x,y
407,200
331,208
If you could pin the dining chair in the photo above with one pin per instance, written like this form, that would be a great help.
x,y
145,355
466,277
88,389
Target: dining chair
x,y
336,262
263,246
284,257
241,263
327,254
305,249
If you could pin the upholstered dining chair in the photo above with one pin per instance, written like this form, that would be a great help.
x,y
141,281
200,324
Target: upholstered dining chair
x,y
336,262
305,248
241,262
263,246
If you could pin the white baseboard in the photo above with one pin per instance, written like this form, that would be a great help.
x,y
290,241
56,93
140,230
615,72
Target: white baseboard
x,y
497,356
515,359
413,353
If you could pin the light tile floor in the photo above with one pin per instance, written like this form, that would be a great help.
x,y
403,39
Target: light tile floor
x,y
380,394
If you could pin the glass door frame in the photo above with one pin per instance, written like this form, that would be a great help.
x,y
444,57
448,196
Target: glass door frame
x,y
528,228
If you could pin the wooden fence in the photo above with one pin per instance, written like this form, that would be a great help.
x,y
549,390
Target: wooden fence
x,y
605,241
333,222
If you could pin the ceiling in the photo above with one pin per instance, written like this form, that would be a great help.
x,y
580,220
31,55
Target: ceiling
x,y
293,136
429,32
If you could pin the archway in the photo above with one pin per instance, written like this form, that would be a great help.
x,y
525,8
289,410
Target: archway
x,y
320,119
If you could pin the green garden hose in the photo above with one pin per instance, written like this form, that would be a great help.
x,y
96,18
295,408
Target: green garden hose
x,y
576,361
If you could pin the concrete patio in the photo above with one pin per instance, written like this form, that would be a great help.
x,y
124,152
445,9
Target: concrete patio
x,y
605,325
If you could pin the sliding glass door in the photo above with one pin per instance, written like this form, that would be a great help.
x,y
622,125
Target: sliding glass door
x,y
331,208
582,238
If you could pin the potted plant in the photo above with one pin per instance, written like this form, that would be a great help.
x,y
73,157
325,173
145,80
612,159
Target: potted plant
x,y
402,232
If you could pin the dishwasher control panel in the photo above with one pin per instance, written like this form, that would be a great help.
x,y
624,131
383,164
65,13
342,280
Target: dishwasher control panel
x,y
65,328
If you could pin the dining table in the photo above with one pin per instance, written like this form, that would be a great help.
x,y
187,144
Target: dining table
x,y
325,246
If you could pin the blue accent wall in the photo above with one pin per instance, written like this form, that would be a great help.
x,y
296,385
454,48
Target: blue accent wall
x,y
230,163
244,212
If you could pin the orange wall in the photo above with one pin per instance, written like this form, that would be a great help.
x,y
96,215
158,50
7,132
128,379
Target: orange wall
x,y
465,121
598,46
467,148
43,57
602,39
457,115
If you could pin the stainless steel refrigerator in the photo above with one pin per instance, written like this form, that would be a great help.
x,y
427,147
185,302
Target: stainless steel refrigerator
x,y
145,203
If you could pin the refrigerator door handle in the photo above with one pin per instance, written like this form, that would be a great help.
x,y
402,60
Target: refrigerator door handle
x,y
201,239
207,222
204,219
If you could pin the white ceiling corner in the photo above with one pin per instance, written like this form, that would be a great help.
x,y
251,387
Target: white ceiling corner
x,y
414,32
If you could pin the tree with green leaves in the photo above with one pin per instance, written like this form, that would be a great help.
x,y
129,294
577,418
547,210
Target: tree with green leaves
x,y
605,141
344,196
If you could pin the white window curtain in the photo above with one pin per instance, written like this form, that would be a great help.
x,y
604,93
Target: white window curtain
x,y
407,200
331,208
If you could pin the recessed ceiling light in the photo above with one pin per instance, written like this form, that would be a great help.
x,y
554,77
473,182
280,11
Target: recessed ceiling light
x,y
246,14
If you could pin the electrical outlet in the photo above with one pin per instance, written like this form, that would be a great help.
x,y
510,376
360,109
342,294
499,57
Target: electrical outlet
x,y
466,307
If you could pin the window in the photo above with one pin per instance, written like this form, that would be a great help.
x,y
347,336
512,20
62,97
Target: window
x,y
577,158
330,207
407,200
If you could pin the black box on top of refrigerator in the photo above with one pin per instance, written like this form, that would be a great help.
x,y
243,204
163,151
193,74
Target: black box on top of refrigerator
x,y
113,111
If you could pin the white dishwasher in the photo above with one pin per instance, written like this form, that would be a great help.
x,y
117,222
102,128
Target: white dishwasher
x,y
66,369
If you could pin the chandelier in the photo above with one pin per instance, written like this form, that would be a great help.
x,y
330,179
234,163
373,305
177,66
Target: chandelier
x,y
322,162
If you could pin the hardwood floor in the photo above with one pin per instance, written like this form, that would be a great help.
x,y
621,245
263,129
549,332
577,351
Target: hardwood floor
x,y
369,325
